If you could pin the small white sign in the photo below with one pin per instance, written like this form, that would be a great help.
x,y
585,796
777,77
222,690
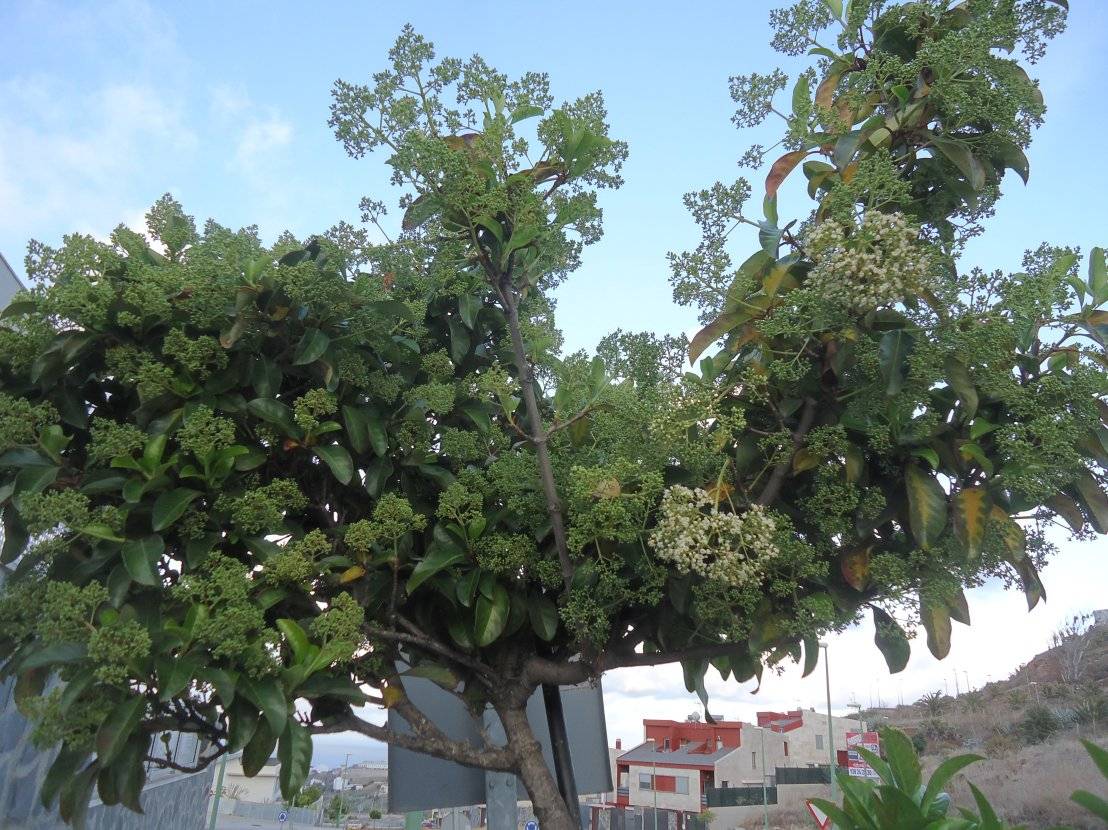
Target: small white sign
x,y
821,817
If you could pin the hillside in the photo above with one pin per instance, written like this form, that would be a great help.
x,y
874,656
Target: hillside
x,y
1027,726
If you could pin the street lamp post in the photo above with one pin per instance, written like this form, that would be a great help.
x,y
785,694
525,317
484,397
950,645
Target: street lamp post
x,y
830,727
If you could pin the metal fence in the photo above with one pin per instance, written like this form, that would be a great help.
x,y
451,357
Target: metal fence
x,y
741,796
801,775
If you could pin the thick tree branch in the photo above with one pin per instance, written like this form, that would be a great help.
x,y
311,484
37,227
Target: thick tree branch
x,y
538,436
433,743
777,477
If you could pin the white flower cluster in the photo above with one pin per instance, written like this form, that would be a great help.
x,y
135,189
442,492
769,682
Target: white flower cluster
x,y
726,547
874,264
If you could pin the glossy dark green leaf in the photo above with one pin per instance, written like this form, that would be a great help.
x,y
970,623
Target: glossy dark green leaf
x,y
958,152
243,719
811,655
62,770
170,506
468,307
544,617
35,479
117,728
338,459
357,429
140,558
958,377
76,793
490,615
295,754
53,654
268,694
258,749
311,347
274,412
378,438
892,356
439,556
1098,276
891,641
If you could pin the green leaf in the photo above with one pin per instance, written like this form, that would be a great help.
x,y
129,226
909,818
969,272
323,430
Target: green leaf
x,y
1093,803
892,356
297,639
357,430
1098,276
378,438
52,654
491,615
338,459
943,773
76,794
117,728
268,694
695,672
439,555
902,759
544,617
274,412
170,506
101,532
714,331
420,211
295,754
439,675
927,508
34,479
962,158
259,749
140,558
802,95
971,514
244,718
525,111
811,655
936,621
469,307
62,770
891,641
311,347
958,377
989,818
835,7
1093,499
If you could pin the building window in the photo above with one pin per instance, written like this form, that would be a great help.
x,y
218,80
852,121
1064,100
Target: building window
x,y
723,784
665,744
754,760
786,749
819,741
684,742
665,783
645,782
682,785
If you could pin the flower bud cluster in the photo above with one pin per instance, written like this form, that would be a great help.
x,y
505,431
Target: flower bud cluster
x,y
876,263
725,547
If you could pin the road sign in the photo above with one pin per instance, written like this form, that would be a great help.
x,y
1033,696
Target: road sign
x,y
283,816
822,819
531,825
856,766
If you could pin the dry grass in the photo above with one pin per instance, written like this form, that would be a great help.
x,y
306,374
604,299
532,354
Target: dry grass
x,y
1032,785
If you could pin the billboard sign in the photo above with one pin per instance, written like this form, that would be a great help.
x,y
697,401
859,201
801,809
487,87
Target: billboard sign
x,y
856,765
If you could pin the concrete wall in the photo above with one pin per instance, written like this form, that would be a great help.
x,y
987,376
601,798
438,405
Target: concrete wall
x,y
668,801
744,766
263,788
789,799
802,742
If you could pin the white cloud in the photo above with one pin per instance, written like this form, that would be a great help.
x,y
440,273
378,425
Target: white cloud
x,y
260,141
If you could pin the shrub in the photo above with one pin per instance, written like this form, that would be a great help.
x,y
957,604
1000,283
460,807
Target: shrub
x,y
1039,723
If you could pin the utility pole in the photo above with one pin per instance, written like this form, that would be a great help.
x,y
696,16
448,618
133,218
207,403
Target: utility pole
x,y
218,791
830,727
654,787
765,797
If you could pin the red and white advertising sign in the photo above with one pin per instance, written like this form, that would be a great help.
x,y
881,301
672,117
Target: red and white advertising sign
x,y
856,766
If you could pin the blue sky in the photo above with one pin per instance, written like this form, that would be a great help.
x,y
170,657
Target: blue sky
x,y
106,105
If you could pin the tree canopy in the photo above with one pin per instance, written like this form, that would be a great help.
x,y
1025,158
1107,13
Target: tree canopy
x,y
245,486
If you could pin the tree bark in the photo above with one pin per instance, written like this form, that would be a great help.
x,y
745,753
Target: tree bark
x,y
551,811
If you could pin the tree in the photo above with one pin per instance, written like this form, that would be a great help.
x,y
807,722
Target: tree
x,y
307,796
1071,644
247,489
933,703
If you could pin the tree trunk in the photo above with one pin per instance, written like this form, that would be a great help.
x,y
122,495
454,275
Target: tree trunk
x,y
550,809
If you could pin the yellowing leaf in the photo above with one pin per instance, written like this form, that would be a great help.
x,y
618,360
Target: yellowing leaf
x,y
926,506
607,489
936,621
971,510
855,567
392,695
350,574
1015,540
781,168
